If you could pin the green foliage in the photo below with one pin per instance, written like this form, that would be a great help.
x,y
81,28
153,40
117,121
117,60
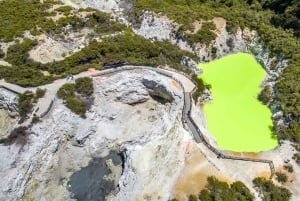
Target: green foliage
x,y
2,54
287,14
17,16
24,76
193,198
201,86
67,90
66,10
25,103
76,106
265,95
241,192
205,195
281,177
218,190
270,191
84,86
280,40
126,47
39,93
204,35
18,54
102,23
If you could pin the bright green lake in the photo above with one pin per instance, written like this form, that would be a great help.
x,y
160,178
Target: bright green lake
x,y
236,118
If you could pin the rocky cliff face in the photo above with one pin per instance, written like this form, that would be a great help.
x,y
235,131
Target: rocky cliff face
x,y
8,100
8,112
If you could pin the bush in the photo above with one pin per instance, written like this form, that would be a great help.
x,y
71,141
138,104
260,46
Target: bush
x,y
18,54
25,103
218,190
193,198
289,168
76,106
265,95
16,16
84,86
39,93
270,191
281,177
204,35
2,54
67,90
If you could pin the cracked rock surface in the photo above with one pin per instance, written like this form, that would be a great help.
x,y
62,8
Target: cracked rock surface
x,y
147,131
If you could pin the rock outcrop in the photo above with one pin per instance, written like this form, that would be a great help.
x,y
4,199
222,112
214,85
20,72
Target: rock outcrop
x,y
148,132
8,100
155,27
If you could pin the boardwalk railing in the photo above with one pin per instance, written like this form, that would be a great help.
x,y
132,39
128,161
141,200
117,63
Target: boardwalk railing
x,y
184,111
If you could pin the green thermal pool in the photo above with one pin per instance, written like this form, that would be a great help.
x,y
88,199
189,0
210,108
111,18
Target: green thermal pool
x,y
238,120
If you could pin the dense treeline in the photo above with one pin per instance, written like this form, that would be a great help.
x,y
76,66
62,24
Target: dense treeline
x,y
16,16
123,48
288,14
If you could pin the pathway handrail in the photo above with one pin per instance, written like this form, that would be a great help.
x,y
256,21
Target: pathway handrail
x,y
207,144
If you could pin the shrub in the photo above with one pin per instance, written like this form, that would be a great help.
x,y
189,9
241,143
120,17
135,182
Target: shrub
x,y
84,86
204,35
39,93
218,190
25,103
265,95
18,54
270,191
2,54
67,90
193,198
289,168
76,106
281,177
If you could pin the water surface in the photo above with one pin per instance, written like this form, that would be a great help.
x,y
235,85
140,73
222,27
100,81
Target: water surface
x,y
236,118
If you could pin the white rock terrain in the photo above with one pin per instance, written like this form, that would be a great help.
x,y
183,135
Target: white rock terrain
x,y
124,117
51,49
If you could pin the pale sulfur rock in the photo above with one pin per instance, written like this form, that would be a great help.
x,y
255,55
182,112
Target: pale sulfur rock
x,y
150,134
155,27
